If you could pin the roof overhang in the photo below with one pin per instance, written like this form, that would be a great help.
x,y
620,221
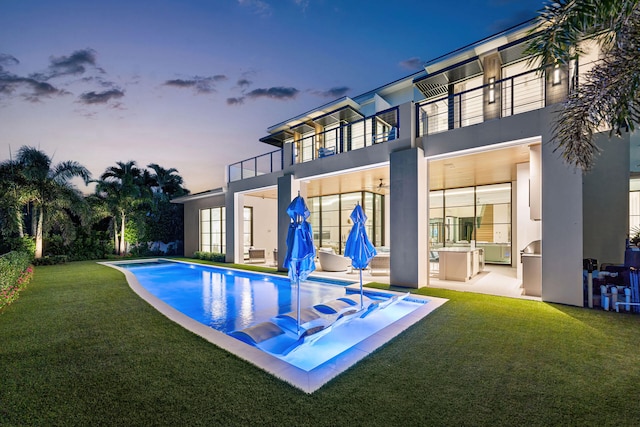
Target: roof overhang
x,y
315,113
435,84
277,139
342,110
201,195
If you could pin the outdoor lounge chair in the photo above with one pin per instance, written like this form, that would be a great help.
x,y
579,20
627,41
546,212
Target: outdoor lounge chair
x,y
257,255
258,333
382,304
330,261
380,262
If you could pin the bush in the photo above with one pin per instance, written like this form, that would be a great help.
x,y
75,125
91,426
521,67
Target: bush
x,y
15,273
209,256
86,246
51,260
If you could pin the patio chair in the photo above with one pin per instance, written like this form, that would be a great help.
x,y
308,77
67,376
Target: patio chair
x,y
330,261
380,262
257,255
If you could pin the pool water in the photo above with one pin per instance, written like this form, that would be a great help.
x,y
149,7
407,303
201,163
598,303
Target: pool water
x,y
231,300
228,300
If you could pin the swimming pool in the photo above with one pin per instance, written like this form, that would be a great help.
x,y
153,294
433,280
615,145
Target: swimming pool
x,y
219,304
226,299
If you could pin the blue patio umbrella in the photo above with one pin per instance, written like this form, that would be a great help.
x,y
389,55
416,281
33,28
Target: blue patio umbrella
x,y
301,253
359,247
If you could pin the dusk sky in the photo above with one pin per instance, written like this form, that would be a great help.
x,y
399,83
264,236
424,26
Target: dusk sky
x,y
193,84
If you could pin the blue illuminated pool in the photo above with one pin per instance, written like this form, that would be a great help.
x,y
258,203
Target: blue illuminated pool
x,y
253,308
226,299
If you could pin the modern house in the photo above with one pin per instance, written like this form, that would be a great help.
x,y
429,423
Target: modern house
x,y
457,156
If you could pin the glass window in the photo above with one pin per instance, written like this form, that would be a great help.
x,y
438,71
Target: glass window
x,y
212,230
634,206
377,221
248,227
482,213
459,214
331,222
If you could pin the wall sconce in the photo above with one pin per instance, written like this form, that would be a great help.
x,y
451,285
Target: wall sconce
x,y
556,74
492,90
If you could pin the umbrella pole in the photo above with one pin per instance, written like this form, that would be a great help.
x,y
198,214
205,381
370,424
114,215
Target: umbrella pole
x,y
298,309
361,293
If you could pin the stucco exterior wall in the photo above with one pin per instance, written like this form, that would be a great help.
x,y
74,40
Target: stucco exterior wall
x,y
606,201
192,220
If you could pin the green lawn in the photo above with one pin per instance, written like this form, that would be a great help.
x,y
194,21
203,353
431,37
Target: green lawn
x,y
80,348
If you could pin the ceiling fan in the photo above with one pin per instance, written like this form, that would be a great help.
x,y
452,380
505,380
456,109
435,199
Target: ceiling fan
x,y
380,187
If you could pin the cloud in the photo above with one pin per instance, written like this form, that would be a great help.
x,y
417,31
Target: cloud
x,y
414,63
244,83
91,98
198,84
6,59
74,64
303,4
281,93
258,7
35,90
235,101
334,92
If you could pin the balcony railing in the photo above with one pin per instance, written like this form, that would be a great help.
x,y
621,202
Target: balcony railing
x,y
259,165
380,128
503,98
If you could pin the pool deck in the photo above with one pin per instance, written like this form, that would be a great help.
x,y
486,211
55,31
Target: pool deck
x,y
306,381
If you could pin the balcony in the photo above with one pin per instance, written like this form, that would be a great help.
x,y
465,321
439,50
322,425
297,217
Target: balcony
x,y
368,131
503,98
259,165
311,145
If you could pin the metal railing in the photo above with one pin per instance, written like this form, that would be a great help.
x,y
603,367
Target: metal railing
x,y
516,94
254,166
348,137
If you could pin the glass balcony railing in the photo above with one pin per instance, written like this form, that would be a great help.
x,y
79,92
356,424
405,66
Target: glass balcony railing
x,y
259,165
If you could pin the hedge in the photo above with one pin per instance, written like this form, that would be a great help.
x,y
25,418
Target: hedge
x,y
15,274
209,256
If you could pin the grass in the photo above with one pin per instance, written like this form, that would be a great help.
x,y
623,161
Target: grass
x,y
80,348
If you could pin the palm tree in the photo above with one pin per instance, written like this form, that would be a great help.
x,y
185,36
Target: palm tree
x,y
47,188
611,89
15,196
168,181
120,187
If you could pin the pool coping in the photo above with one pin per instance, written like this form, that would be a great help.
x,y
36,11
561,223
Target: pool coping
x,y
306,381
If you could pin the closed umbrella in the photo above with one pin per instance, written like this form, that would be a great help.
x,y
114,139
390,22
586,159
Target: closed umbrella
x,y
300,257
359,248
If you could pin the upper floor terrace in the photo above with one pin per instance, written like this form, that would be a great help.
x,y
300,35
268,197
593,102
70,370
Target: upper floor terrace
x,y
489,80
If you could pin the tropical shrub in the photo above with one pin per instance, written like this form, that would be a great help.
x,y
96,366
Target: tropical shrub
x,y
209,256
51,260
15,273
86,246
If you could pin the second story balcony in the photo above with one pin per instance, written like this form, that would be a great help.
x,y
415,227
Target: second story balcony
x,y
464,103
305,143
477,102
343,137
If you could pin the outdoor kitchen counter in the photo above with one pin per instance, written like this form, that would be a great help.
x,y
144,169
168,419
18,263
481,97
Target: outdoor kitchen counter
x,y
460,264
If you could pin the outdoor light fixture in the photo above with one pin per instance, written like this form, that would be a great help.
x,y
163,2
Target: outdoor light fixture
x,y
556,74
492,90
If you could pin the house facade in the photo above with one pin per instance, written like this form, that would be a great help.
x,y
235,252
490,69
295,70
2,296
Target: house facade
x,y
457,156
